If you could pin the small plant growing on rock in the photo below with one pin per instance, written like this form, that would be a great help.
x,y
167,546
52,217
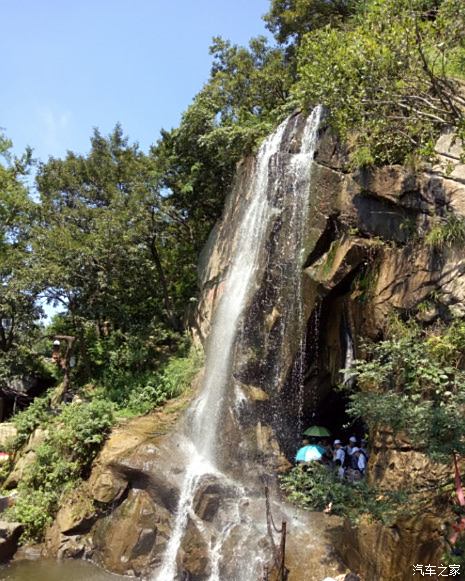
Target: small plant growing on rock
x,y
448,233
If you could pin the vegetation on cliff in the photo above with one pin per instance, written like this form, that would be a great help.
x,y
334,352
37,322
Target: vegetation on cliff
x,y
316,487
414,382
390,76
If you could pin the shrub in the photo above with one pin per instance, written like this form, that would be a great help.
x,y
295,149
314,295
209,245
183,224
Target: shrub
x,y
38,414
149,390
315,486
35,511
82,428
448,233
179,372
414,382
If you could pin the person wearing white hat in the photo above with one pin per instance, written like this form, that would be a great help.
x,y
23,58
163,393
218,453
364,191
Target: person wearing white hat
x,y
339,453
350,450
359,460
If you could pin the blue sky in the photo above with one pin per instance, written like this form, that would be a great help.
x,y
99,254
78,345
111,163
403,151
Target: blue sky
x,y
69,66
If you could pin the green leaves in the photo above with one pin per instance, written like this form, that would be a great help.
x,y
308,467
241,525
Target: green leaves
x,y
72,439
315,486
383,78
289,20
18,290
414,382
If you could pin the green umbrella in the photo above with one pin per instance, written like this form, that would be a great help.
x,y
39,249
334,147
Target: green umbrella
x,y
318,431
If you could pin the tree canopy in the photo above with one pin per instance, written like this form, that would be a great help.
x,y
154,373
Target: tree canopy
x,y
388,77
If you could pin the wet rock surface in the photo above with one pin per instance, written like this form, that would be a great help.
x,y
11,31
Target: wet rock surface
x,y
10,533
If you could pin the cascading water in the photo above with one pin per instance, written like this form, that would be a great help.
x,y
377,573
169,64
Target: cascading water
x,y
297,185
349,358
245,270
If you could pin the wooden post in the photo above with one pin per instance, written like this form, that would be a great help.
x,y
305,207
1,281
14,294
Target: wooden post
x,y
283,571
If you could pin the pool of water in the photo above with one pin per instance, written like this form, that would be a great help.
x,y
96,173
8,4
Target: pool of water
x,y
48,570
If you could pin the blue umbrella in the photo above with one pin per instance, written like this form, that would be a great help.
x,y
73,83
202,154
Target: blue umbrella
x,y
309,453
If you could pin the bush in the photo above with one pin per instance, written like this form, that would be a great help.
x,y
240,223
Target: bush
x,y
140,374
35,511
81,430
315,486
179,372
144,396
448,233
414,382
73,438
149,390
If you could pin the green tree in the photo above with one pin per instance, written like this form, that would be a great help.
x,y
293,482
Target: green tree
x,y
246,95
116,253
385,76
19,310
107,237
289,20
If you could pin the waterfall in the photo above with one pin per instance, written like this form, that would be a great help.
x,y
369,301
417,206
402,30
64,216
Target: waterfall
x,y
245,269
349,358
249,242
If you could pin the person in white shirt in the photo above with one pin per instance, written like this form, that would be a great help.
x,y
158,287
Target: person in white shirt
x,y
351,445
364,448
361,460
339,453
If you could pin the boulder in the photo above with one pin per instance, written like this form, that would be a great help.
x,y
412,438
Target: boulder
x,y
133,537
25,458
378,552
10,532
77,513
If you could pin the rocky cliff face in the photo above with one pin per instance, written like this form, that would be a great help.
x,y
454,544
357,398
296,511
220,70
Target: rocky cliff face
x,y
364,259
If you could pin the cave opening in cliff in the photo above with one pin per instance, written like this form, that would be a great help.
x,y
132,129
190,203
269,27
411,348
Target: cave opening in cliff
x,y
331,348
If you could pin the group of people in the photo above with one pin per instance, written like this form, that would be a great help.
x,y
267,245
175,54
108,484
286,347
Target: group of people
x,y
349,461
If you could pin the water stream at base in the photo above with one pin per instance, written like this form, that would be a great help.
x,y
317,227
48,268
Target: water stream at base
x,y
205,414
